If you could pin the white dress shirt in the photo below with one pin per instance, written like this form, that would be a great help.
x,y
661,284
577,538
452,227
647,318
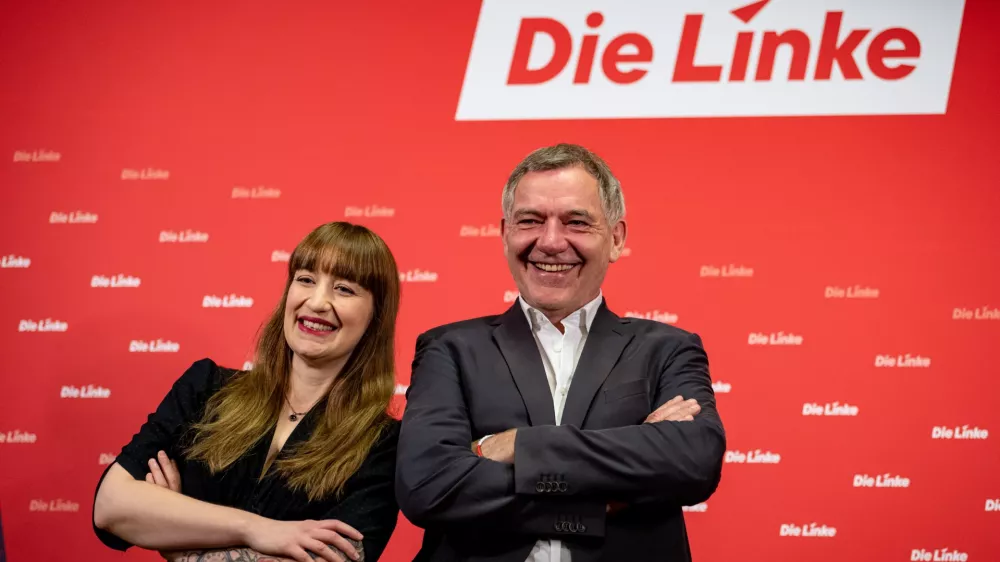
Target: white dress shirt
x,y
560,353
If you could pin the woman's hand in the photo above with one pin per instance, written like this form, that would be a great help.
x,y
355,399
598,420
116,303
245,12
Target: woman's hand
x,y
292,539
164,473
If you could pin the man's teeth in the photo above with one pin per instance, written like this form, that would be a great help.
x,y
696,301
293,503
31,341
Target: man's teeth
x,y
553,267
316,326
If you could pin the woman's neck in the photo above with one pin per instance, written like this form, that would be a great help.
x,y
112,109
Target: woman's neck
x,y
307,383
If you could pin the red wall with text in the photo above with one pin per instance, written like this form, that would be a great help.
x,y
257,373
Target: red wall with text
x,y
842,266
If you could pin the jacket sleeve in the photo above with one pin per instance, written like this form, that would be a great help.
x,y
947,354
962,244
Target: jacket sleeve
x,y
441,482
651,462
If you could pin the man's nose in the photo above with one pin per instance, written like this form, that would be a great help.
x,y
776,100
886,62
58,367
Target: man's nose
x,y
553,238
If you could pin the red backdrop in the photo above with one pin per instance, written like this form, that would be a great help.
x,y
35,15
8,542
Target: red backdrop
x,y
186,147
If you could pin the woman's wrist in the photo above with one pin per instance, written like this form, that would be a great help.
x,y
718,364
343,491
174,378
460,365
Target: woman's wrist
x,y
244,525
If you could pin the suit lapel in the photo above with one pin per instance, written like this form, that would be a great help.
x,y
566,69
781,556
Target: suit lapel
x,y
517,344
605,343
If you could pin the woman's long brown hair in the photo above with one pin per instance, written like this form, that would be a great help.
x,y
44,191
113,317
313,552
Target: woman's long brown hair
x,y
248,406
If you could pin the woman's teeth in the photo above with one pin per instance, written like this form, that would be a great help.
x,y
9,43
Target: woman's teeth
x,y
316,326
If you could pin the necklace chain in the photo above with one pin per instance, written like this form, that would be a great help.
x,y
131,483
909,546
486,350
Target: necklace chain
x,y
294,416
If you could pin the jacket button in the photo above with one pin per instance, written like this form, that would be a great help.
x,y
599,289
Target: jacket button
x,y
540,487
563,486
583,528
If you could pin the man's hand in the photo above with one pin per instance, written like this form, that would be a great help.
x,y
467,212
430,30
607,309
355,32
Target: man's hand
x,y
500,447
675,409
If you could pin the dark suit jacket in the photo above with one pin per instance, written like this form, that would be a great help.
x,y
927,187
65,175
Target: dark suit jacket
x,y
485,375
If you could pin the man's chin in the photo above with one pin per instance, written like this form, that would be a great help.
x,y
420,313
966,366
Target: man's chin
x,y
548,300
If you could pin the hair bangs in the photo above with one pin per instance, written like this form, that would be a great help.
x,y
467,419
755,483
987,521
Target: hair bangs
x,y
345,253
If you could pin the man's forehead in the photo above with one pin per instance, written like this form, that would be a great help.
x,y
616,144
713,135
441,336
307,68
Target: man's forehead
x,y
560,211
557,185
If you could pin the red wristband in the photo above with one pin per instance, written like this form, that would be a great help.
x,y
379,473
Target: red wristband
x,y
479,445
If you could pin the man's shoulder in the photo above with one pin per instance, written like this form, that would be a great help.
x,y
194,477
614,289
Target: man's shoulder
x,y
481,325
643,328
661,342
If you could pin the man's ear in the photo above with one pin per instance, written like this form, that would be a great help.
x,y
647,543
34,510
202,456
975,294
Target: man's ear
x,y
618,234
503,234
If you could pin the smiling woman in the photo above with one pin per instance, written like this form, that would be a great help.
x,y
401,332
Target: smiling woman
x,y
293,457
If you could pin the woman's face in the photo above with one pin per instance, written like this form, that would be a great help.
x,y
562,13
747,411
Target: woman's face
x,y
325,317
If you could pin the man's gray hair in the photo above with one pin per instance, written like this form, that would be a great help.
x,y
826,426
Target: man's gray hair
x,y
565,156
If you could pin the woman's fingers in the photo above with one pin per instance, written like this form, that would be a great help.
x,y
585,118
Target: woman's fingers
x,y
335,540
342,528
158,478
300,555
319,548
170,472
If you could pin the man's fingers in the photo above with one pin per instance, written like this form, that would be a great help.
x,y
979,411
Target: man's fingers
x,y
688,411
672,408
674,402
149,478
670,403
675,410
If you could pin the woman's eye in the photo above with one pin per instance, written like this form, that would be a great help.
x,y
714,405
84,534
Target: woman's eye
x,y
304,279
345,289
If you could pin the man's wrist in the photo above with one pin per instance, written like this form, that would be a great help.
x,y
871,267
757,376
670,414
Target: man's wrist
x,y
479,444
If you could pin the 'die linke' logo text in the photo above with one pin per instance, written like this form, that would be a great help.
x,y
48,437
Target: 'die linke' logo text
x,y
837,47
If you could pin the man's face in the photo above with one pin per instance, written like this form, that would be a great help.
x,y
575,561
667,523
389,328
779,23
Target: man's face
x,y
558,241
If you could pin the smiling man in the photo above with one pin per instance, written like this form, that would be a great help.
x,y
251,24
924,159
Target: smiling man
x,y
558,431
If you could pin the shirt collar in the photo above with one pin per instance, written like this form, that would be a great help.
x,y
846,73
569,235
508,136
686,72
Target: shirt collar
x,y
582,318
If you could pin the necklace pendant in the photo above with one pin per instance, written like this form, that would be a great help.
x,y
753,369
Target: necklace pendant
x,y
292,417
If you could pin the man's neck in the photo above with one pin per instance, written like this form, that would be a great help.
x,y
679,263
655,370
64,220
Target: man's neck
x,y
556,317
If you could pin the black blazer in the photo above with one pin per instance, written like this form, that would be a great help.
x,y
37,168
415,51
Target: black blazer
x,y
485,375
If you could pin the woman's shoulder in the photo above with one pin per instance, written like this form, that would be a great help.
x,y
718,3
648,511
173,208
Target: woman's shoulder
x,y
205,375
391,432
388,439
